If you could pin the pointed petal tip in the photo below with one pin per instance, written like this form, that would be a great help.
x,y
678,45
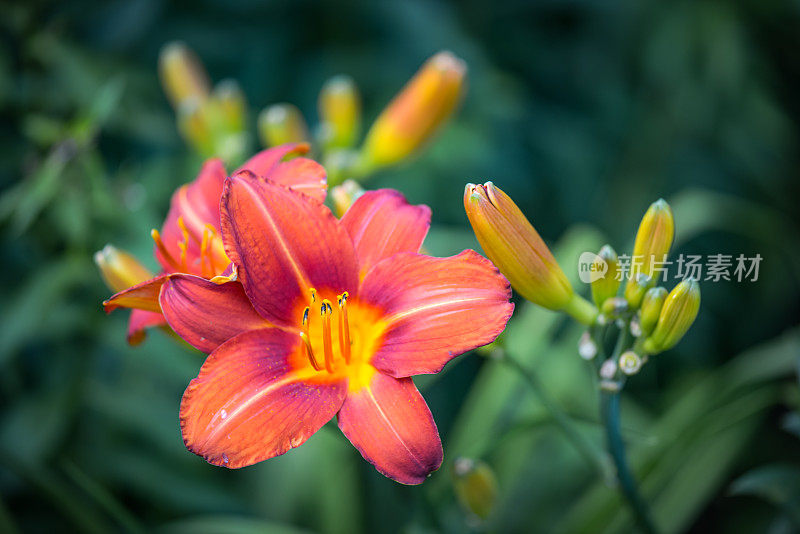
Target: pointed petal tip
x,y
390,424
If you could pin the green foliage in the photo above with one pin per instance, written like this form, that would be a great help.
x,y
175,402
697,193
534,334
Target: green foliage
x,y
584,113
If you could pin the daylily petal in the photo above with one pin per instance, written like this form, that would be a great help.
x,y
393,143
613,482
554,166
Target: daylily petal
x,y
382,223
139,321
283,245
206,314
142,296
262,163
198,204
249,403
392,427
301,174
435,309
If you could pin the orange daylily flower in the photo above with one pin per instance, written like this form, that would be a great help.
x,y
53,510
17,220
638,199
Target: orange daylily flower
x,y
190,241
332,317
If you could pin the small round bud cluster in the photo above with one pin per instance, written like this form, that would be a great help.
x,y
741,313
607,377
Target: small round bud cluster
x,y
587,348
630,363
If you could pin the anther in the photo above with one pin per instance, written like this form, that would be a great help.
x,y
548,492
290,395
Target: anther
x,y
344,328
327,345
313,294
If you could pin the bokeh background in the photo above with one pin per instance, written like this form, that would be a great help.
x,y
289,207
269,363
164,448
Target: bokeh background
x,y
583,111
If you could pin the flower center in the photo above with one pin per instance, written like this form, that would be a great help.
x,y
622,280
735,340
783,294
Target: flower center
x,y
326,358
340,335
211,259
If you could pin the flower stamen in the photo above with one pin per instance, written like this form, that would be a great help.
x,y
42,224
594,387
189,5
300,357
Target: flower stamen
x,y
156,235
326,311
204,255
307,340
183,245
344,328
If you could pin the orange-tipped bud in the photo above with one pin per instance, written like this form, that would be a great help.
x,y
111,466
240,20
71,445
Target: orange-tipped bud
x,y
339,112
344,195
423,105
281,124
654,237
511,242
119,269
475,486
182,74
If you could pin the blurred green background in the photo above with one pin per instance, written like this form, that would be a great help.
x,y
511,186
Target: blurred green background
x,y
583,111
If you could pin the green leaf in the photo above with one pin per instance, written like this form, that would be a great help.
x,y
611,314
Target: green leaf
x,y
778,484
227,525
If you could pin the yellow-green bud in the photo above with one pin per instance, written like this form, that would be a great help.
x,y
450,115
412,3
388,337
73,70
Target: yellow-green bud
x,y
339,112
195,126
231,105
182,74
424,104
677,315
614,307
636,288
511,242
119,269
605,287
344,195
280,124
630,363
652,303
475,486
654,238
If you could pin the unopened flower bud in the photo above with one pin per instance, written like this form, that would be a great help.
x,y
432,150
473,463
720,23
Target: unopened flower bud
x,y
423,105
652,303
119,269
654,238
230,101
630,363
280,124
608,369
677,315
182,74
636,288
339,112
606,286
194,125
587,348
511,242
614,307
344,195
475,486
635,326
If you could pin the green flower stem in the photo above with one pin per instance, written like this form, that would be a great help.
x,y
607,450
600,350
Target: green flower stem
x,y
609,409
593,456
610,415
581,310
